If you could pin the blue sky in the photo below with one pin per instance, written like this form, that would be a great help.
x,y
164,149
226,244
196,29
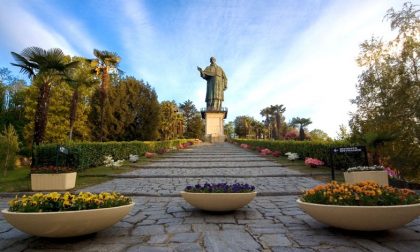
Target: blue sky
x,y
293,52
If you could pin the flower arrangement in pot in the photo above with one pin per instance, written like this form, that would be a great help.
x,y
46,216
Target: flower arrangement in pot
x,y
66,215
54,169
374,173
219,197
365,206
53,178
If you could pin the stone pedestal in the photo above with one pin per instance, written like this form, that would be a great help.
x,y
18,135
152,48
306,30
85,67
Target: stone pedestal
x,y
214,126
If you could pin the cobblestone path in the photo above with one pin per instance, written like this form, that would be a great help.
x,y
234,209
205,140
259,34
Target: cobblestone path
x,y
162,221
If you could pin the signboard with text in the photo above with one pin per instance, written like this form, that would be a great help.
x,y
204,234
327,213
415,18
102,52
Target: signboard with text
x,y
347,156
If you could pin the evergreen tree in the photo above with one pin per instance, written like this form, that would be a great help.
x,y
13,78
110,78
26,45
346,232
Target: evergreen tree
x,y
136,111
193,122
171,120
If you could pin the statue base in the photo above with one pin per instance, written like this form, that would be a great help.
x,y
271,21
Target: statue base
x,y
214,126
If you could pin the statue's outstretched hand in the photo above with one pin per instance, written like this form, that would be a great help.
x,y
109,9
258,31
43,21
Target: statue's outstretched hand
x,y
199,69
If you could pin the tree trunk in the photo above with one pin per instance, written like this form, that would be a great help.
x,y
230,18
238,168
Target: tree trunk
x,y
301,133
41,112
73,111
278,126
103,95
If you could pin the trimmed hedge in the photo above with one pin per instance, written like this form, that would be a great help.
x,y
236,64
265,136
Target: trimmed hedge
x,y
319,150
89,154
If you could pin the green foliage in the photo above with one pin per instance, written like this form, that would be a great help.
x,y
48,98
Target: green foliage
x,y
12,94
319,135
172,122
104,65
194,126
47,67
388,107
301,123
229,129
246,126
58,125
90,154
131,112
274,121
138,109
9,145
318,150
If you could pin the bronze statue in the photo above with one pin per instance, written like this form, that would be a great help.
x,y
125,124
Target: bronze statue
x,y
216,85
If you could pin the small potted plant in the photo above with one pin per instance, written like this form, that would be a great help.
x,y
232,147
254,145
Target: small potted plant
x,y
53,178
54,172
219,197
66,215
365,206
374,173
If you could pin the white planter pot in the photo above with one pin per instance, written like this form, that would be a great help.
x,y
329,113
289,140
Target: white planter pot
x,y
53,181
380,177
364,218
218,202
66,223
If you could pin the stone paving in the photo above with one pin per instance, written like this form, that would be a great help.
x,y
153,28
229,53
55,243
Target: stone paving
x,y
161,223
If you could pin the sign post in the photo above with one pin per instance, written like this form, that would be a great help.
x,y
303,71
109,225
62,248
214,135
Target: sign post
x,y
345,150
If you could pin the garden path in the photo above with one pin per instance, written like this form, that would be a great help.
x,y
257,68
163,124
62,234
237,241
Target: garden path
x,y
162,221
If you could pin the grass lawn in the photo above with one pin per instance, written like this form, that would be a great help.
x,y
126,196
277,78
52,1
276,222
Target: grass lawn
x,y
19,180
322,173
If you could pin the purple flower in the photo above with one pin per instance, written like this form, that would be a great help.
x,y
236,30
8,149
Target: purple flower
x,y
220,188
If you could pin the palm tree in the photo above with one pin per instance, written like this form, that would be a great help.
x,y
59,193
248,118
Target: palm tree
x,y
104,63
78,78
45,68
267,113
277,111
301,122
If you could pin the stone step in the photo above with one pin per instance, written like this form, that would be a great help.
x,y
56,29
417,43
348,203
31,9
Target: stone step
x,y
165,186
203,164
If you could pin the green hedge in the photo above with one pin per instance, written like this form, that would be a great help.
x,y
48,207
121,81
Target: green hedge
x,y
319,150
89,154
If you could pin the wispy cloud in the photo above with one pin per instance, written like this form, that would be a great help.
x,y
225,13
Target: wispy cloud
x,y
27,30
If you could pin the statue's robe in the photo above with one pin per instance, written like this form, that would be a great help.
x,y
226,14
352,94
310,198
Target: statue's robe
x,y
216,84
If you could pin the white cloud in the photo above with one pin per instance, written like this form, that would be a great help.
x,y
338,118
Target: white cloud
x,y
316,78
27,30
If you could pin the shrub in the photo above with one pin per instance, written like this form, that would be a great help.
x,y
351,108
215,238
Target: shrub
x,y
276,153
313,162
318,150
90,154
9,145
